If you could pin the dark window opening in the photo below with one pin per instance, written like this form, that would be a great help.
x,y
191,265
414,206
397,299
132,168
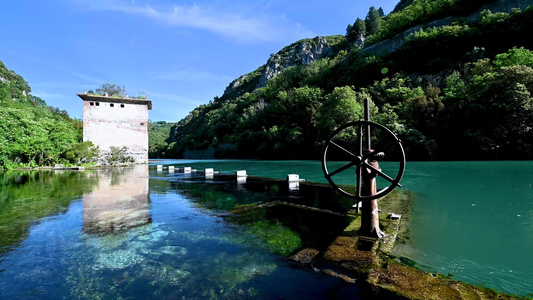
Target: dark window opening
x,y
97,103
91,103
142,123
112,105
121,105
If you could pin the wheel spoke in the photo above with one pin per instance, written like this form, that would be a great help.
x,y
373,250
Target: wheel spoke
x,y
340,147
371,154
381,173
345,167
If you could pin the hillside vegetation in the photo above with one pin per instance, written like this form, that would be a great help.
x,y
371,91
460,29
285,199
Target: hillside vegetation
x,y
32,133
460,91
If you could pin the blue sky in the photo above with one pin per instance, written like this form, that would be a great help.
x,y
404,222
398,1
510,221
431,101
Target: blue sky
x,y
181,53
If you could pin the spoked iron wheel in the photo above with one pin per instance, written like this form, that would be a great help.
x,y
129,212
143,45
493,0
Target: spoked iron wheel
x,y
347,150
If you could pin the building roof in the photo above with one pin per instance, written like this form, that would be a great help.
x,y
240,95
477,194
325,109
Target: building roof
x,y
100,98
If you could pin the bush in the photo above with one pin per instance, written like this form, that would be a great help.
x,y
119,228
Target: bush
x,y
82,153
119,155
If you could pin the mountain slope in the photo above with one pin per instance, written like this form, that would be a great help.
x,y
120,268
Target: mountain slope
x,y
31,133
461,86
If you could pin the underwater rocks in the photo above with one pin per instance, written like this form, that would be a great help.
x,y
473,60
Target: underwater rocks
x,y
118,259
154,236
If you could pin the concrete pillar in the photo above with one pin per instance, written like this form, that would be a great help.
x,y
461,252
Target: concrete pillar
x,y
294,186
293,177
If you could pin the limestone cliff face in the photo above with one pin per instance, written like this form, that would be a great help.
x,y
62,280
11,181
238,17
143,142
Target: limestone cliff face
x,y
299,53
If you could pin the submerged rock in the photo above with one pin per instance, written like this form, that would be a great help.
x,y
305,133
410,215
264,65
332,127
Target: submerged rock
x,y
154,236
117,260
305,256
173,250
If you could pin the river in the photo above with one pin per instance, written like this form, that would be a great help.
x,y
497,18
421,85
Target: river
x,y
472,220
85,234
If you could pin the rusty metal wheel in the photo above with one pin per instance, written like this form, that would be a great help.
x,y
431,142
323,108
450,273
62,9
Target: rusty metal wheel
x,y
345,148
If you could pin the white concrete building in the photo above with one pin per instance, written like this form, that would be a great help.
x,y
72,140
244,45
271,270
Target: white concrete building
x,y
111,121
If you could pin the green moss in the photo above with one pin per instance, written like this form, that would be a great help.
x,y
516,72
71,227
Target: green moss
x,y
277,238
415,284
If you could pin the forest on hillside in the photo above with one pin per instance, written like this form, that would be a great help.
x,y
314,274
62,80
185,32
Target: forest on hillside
x,y
459,91
33,134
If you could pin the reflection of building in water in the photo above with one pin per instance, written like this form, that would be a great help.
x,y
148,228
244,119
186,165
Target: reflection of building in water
x,y
119,201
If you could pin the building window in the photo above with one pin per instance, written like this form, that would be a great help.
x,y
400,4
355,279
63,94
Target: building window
x,y
112,105
91,103
121,105
97,103
142,123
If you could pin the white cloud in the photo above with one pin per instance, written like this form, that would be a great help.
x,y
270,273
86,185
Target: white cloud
x,y
241,26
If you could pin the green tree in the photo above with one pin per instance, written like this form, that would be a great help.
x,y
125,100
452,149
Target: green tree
x,y
373,21
111,89
118,155
355,31
158,133
82,153
343,105
513,57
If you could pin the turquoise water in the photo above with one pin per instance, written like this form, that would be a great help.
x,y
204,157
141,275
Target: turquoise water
x,y
470,220
140,233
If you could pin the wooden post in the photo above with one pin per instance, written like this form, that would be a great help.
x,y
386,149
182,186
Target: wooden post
x,y
369,211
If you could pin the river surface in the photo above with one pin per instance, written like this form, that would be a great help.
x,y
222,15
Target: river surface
x,y
471,220
140,233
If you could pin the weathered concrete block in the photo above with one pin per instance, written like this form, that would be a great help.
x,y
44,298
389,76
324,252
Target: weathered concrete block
x,y
293,177
393,216
294,186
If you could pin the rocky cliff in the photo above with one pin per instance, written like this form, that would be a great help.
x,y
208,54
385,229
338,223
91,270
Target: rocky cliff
x,y
300,53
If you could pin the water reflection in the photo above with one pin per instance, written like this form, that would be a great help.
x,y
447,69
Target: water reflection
x,y
193,248
119,201
27,196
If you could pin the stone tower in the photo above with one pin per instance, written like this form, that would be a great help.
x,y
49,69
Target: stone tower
x,y
111,121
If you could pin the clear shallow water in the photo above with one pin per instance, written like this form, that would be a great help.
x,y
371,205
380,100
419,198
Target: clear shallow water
x,y
130,233
143,234
471,220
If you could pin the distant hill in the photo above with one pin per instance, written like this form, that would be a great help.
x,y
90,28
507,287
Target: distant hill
x,y
456,86
158,134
